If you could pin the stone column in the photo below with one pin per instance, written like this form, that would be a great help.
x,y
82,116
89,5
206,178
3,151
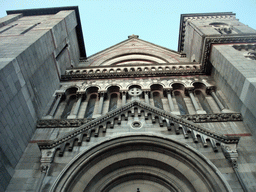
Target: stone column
x,y
146,97
216,99
101,101
169,96
76,108
55,106
123,98
193,99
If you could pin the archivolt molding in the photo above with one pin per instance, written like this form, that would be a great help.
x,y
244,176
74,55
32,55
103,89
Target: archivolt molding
x,y
157,83
134,56
185,84
113,84
143,86
88,85
148,49
166,160
73,85
207,84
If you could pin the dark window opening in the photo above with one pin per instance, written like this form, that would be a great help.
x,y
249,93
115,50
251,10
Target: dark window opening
x,y
157,100
68,107
90,106
181,103
204,103
113,102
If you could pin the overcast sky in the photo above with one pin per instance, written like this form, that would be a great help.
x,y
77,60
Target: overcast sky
x,y
107,22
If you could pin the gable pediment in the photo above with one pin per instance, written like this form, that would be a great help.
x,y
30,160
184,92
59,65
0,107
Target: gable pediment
x,y
173,123
134,51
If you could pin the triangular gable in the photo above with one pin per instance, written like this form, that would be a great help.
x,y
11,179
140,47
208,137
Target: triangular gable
x,y
173,121
134,50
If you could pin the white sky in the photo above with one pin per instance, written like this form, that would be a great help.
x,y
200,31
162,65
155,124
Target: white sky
x,y
107,22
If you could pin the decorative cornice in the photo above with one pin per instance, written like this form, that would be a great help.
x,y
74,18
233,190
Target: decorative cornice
x,y
199,16
196,118
246,47
62,123
132,74
217,117
222,40
88,127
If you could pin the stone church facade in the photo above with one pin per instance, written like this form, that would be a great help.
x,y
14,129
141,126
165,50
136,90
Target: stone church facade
x,y
133,117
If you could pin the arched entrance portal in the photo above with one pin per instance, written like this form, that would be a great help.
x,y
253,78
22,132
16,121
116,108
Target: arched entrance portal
x,y
140,163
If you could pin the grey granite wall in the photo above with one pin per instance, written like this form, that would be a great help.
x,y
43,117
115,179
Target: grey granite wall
x,y
235,76
29,75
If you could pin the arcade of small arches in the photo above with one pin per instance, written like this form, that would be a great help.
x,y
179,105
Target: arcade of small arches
x,y
146,68
94,102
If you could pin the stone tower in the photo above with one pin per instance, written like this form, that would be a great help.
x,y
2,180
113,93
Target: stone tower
x,y
133,117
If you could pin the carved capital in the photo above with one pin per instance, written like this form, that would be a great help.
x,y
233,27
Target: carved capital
x,y
210,89
190,89
81,92
58,94
146,91
169,90
124,92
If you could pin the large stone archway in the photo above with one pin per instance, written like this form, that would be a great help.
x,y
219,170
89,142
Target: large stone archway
x,y
144,161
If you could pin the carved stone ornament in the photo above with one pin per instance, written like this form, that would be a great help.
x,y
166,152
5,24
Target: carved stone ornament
x,y
221,40
230,152
115,117
133,36
135,92
107,75
44,168
53,123
217,117
196,118
47,156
